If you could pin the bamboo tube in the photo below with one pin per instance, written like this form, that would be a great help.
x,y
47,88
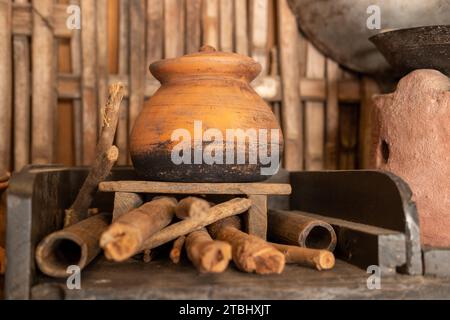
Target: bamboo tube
x,y
216,213
314,258
175,253
75,245
192,207
250,253
296,229
126,235
207,255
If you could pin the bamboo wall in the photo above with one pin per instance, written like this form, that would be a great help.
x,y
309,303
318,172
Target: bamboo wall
x,y
54,80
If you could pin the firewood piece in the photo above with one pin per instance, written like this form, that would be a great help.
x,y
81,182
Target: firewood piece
x,y
192,207
75,245
318,259
2,261
216,213
126,235
297,229
125,202
175,253
207,255
250,253
106,156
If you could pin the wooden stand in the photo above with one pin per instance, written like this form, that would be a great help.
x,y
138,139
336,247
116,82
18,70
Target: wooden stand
x,y
256,219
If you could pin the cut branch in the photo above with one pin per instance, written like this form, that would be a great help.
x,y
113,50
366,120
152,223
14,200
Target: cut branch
x,y
314,258
175,253
192,207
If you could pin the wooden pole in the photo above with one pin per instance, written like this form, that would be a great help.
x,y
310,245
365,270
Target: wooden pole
x,y
193,208
102,69
241,26
210,23
193,28
332,115
313,258
226,25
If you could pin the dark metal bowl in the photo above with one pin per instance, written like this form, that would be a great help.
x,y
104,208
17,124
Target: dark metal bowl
x,y
408,49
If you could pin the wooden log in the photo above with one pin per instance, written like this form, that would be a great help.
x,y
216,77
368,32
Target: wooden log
x,y
137,59
107,155
127,234
123,68
22,93
89,80
175,253
250,253
210,23
195,188
226,27
206,254
332,116
193,26
43,78
314,258
216,213
124,202
102,69
75,245
314,115
292,118
241,26
193,208
297,229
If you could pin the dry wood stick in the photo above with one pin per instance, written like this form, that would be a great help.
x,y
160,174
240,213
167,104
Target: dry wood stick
x,y
314,258
177,247
101,21
107,155
192,207
216,213
250,253
75,245
125,202
126,235
207,255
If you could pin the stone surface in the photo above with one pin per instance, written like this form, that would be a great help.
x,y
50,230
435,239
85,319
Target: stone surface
x,y
411,138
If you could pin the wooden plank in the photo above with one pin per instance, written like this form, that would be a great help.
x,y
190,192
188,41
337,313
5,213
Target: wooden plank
x,y
5,85
173,28
210,23
368,88
290,78
314,115
124,49
332,116
193,27
259,33
226,27
43,79
195,188
89,80
137,59
75,56
256,218
102,56
22,101
241,27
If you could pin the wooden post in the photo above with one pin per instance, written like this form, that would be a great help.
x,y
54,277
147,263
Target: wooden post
x,y
43,82
155,42
173,28
292,117
193,28
102,55
226,27
332,115
256,219
88,80
22,94
314,114
240,27
211,23
259,33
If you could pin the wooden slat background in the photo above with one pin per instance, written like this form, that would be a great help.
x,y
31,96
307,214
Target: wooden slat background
x,y
54,80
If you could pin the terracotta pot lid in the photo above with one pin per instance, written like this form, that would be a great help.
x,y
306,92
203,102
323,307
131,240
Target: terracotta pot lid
x,y
208,62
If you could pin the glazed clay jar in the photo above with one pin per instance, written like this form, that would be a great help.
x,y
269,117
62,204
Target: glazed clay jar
x,y
205,103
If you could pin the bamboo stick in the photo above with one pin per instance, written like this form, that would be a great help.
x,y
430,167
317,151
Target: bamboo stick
x,y
126,235
43,79
250,253
89,80
155,34
22,101
75,245
207,255
173,28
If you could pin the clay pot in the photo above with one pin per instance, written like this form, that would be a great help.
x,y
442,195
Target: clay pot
x,y
203,95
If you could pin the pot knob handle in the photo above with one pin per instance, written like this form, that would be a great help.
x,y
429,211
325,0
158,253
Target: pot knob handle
x,y
207,48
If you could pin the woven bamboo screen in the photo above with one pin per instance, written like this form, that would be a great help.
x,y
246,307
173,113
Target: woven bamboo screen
x,y
54,80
